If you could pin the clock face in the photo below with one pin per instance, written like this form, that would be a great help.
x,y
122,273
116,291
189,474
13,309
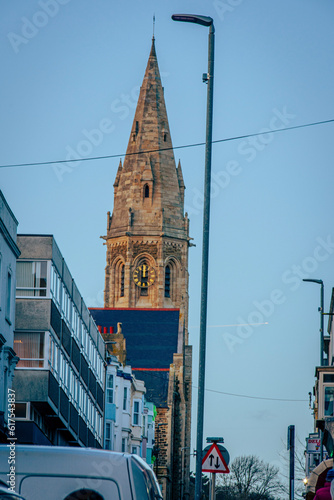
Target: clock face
x,y
144,276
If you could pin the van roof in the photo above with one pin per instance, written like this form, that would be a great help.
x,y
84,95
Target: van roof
x,y
64,460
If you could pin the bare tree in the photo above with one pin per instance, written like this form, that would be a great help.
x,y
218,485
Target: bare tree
x,y
250,479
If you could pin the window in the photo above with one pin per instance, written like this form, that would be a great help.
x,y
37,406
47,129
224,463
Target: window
x,y
136,415
100,370
110,389
67,306
87,493
53,355
329,400
98,429
21,411
167,281
30,349
122,281
84,340
165,137
108,436
134,450
144,426
31,279
76,392
124,445
125,397
9,296
55,286
146,191
75,323
145,483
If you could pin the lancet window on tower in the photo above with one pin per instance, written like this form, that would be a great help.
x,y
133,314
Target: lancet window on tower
x,y
171,276
146,191
167,281
122,273
119,278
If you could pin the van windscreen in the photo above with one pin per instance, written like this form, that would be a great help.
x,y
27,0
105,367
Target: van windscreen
x,y
144,485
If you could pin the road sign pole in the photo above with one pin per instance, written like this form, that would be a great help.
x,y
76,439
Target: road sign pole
x,y
212,486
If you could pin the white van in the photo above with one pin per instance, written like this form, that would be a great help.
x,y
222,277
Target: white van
x,y
68,473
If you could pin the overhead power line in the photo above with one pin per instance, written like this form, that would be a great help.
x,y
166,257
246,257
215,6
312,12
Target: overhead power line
x,y
105,157
257,397
157,375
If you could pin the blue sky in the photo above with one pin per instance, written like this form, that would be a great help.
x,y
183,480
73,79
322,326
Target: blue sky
x,y
71,67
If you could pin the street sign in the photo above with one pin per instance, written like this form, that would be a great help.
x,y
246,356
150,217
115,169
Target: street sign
x,y
313,445
214,462
222,449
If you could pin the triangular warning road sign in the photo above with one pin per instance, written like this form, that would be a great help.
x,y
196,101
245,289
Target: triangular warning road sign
x,y
214,461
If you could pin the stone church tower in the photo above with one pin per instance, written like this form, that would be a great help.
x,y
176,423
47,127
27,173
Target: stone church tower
x,y
147,260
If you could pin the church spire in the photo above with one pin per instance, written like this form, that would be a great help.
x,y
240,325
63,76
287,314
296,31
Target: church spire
x,y
148,182
150,129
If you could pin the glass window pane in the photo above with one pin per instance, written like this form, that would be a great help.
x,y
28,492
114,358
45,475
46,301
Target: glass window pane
x,y
30,349
329,399
31,278
9,296
125,395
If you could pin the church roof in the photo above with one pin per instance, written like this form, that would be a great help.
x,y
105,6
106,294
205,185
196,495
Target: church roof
x,y
151,340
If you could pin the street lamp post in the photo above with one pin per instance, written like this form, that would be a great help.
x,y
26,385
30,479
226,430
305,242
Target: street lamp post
x,y
208,22
321,310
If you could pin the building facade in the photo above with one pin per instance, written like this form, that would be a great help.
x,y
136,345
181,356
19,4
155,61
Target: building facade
x,y
126,413
59,380
322,438
324,388
9,252
147,244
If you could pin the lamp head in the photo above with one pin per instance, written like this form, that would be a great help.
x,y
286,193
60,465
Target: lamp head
x,y
191,18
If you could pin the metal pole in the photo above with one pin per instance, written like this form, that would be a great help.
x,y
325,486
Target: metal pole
x,y
321,356
322,325
205,264
291,439
212,486
321,310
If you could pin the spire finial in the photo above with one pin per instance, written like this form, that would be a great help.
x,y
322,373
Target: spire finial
x,y
153,25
